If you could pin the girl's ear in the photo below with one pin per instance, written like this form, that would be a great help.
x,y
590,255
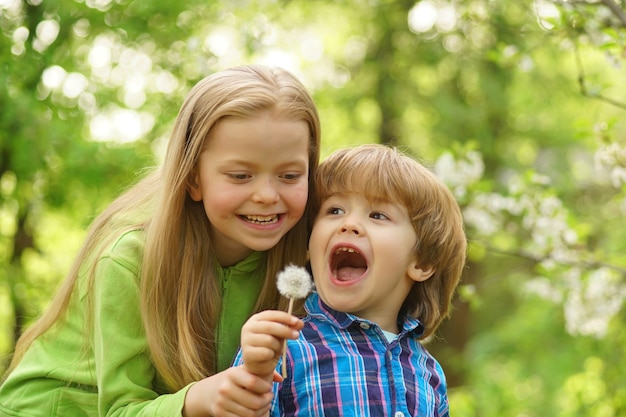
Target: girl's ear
x,y
417,273
193,188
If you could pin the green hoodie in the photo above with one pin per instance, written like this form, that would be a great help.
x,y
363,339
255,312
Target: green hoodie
x,y
115,376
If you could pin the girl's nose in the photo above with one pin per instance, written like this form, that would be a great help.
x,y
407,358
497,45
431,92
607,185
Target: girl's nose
x,y
266,192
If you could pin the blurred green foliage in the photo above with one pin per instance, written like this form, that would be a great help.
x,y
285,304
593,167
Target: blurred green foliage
x,y
518,106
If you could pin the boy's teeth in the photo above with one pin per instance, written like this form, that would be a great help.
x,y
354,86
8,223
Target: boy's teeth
x,y
350,250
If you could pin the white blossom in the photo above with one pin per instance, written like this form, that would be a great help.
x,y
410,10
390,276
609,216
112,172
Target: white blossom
x,y
611,160
592,303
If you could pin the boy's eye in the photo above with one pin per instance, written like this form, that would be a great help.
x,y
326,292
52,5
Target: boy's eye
x,y
378,216
334,210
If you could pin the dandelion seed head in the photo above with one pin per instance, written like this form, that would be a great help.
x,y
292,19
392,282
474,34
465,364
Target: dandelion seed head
x,y
294,282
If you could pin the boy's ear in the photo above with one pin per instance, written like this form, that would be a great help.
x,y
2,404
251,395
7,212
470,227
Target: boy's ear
x,y
418,274
193,188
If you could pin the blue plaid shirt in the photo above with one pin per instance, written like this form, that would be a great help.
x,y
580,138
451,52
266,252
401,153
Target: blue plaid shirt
x,y
344,366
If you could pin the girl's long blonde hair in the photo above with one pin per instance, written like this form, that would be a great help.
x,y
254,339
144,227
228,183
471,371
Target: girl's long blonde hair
x,y
180,293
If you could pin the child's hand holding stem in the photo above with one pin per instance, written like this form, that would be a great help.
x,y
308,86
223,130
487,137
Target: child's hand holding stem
x,y
262,338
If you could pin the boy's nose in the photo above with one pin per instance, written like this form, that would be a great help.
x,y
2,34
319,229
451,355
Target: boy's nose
x,y
350,229
350,225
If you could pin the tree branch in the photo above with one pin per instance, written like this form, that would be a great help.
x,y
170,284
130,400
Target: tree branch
x,y
616,10
588,265
583,85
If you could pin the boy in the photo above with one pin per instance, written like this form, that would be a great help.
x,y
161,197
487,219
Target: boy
x,y
387,251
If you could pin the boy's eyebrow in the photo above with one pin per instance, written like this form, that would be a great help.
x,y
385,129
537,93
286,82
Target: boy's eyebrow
x,y
333,194
376,200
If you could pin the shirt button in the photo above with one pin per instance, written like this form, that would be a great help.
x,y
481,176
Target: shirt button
x,y
365,326
399,414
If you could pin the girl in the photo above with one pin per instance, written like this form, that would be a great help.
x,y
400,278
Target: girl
x,y
149,317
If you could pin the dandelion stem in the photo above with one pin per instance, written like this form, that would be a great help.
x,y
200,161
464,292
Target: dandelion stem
x,y
284,367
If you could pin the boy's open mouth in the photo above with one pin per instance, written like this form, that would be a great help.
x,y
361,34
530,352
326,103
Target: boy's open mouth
x,y
260,219
347,264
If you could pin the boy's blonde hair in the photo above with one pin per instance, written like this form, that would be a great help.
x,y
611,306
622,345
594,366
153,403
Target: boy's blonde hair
x,y
380,172
180,293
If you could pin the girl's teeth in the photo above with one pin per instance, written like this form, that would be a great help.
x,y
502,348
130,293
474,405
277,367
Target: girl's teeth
x,y
262,219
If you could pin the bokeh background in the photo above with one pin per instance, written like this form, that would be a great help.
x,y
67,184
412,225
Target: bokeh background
x,y
518,105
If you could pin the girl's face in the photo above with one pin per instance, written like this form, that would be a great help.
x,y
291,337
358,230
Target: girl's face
x,y
252,178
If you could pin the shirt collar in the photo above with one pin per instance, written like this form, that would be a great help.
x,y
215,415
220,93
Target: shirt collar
x,y
315,307
244,267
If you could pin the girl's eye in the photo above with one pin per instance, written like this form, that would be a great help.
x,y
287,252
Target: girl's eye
x,y
291,176
334,210
239,176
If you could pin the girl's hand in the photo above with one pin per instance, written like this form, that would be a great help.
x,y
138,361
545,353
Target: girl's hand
x,y
233,392
262,338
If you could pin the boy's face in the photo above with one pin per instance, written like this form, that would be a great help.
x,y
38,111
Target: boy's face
x,y
362,257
